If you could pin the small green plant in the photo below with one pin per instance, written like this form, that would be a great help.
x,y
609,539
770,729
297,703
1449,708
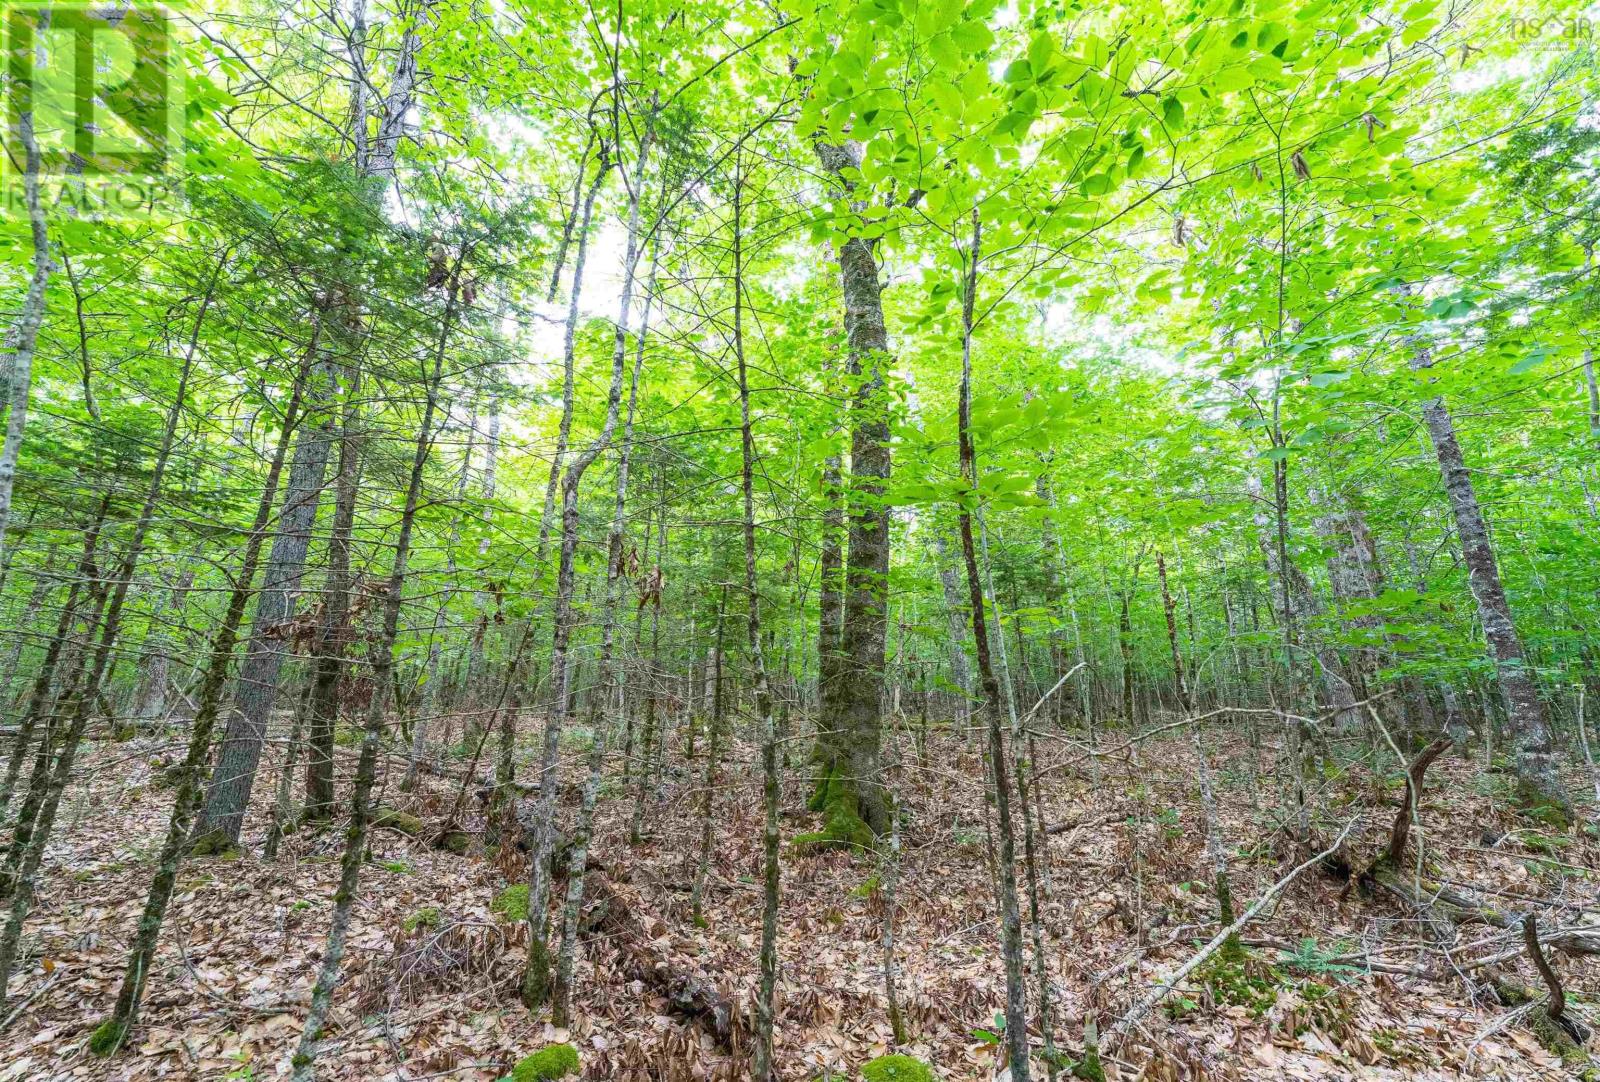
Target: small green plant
x,y
399,867
992,1036
1310,958
426,917
551,1061
1168,818
299,906
865,889
1549,844
896,1068
346,737
1241,981
511,903
577,738
1180,1007
245,1072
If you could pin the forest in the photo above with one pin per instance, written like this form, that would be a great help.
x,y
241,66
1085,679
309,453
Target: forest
x,y
873,541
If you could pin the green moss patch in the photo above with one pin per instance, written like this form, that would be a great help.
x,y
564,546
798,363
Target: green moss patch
x,y
215,844
551,1061
426,917
107,1037
512,903
842,825
897,1068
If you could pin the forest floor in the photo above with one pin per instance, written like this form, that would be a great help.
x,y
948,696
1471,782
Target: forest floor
x,y
1338,986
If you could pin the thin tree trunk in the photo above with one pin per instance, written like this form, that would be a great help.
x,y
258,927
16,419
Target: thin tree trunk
x,y
708,786
1583,740
1215,851
83,701
1010,917
764,1067
536,975
43,583
191,774
283,801
650,742
24,334
611,688
955,620
39,695
153,705
382,670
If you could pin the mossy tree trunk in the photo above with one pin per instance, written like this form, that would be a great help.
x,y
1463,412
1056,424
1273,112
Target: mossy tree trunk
x,y
849,733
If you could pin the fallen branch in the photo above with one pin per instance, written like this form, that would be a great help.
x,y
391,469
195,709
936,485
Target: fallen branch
x,y
1162,991
25,1004
690,995
1556,1005
1079,824
1401,830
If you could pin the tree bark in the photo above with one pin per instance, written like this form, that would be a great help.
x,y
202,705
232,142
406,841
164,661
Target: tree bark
x,y
611,685
1537,777
382,669
334,631
256,690
24,334
536,982
849,739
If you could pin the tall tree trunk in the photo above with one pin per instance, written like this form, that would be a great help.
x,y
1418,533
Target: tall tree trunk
x,y
850,787
256,689
536,982
1537,777
334,631
1010,915
24,334
650,743
382,670
611,684
763,1068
